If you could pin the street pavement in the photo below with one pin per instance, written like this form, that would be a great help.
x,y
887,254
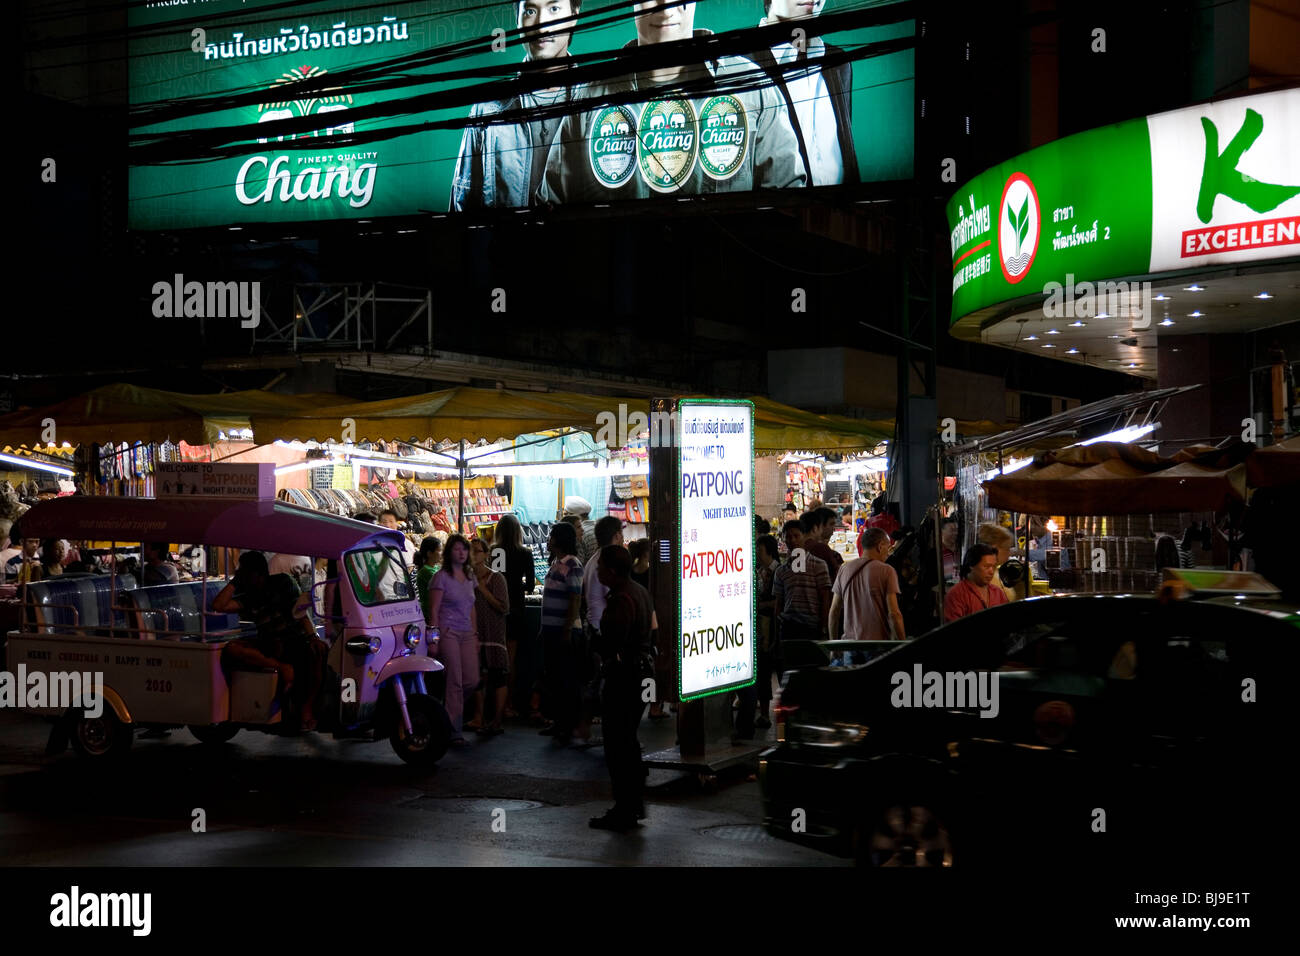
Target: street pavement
x,y
514,800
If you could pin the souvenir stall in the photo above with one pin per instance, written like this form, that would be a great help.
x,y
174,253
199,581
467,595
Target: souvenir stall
x,y
968,464
1120,514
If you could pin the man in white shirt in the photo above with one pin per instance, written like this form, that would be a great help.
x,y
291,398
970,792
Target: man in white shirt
x,y
819,100
609,530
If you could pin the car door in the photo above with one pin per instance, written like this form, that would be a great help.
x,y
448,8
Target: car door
x,y
1037,773
1204,769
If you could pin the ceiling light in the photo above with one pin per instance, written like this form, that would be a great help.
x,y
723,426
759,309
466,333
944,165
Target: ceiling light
x,y
1161,298
1132,365
1031,338
1167,322
25,463
1053,332
1132,433
1112,336
1071,351
1263,295
1103,315
1193,288
1195,315
1049,345
1077,324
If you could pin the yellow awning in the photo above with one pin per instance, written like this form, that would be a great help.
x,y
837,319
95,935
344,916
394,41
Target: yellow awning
x,y
129,413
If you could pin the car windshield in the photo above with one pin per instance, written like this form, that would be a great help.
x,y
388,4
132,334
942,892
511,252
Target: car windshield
x,y
378,575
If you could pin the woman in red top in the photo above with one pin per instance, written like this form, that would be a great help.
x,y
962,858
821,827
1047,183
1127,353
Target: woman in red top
x,y
976,590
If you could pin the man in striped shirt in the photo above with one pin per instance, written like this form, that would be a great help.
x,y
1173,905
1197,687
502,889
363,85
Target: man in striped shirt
x,y
562,638
802,589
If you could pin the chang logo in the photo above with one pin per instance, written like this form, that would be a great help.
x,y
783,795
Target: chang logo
x,y
724,137
611,145
667,144
1018,231
307,178
287,109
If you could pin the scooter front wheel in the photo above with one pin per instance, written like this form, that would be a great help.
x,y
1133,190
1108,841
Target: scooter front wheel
x,y
430,732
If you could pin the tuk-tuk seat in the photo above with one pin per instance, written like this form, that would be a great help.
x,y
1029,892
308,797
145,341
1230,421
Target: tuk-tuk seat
x,y
60,606
180,608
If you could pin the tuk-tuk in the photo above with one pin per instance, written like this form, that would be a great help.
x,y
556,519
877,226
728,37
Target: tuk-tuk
x,y
159,649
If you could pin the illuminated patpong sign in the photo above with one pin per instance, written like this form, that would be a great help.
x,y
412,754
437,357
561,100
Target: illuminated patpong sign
x,y
715,507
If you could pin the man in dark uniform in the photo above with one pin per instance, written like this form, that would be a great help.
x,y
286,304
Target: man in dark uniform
x,y
624,648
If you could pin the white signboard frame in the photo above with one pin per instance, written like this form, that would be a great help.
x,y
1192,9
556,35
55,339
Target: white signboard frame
x,y
244,481
715,517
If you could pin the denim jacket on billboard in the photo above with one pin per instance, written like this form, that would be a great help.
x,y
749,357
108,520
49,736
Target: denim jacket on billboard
x,y
494,167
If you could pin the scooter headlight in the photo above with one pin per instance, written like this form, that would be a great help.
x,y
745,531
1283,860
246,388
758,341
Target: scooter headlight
x,y
412,637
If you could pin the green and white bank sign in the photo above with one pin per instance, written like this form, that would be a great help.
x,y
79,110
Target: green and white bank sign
x,y
1210,185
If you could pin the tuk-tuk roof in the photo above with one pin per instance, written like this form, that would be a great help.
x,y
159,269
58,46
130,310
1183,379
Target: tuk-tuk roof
x,y
255,525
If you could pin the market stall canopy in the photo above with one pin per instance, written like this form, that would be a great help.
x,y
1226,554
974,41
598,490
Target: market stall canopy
x,y
1275,465
129,413
1116,478
489,414
263,525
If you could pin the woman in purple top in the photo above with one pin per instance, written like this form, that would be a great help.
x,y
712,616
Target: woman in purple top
x,y
454,627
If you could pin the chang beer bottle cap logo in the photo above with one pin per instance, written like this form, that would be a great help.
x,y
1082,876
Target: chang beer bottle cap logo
x,y
1018,230
724,137
667,144
611,145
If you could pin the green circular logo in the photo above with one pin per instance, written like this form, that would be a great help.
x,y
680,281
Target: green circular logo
x,y
724,137
667,144
611,145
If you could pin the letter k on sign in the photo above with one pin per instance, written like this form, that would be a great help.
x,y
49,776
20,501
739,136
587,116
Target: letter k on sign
x,y
1221,175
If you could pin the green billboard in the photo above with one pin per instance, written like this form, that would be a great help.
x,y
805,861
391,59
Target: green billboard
x,y
802,110
1216,184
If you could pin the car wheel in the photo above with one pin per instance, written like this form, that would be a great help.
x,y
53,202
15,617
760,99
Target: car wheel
x,y
214,734
100,738
904,833
430,734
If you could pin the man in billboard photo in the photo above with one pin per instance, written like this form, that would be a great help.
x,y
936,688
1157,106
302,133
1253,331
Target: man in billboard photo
x,y
821,97
712,141
500,166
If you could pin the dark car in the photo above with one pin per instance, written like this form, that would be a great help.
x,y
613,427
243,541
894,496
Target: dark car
x,y
1125,728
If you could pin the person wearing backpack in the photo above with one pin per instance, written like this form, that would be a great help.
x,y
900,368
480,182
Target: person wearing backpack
x,y
864,597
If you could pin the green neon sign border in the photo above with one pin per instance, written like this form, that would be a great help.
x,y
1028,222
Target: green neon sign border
x,y
753,597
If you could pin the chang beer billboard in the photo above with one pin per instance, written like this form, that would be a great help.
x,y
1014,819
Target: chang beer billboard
x,y
832,108
1209,185
267,45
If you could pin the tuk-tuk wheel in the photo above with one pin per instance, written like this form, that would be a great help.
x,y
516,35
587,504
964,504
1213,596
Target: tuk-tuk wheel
x,y
430,732
214,733
100,737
